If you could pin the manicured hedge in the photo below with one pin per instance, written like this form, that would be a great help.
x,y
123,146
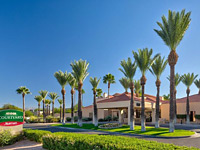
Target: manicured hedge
x,y
35,135
72,141
197,116
181,116
7,138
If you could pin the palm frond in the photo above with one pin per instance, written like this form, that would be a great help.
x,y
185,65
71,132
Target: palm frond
x,y
137,86
38,98
94,82
60,101
173,29
128,68
158,66
125,82
188,79
23,90
197,83
43,94
144,60
53,96
62,78
177,79
109,78
80,70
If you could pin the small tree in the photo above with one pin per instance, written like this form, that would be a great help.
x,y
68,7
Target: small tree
x,y
43,94
95,82
110,79
62,79
188,79
24,91
53,96
125,82
38,99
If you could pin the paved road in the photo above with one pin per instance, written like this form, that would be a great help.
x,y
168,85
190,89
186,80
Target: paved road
x,y
192,141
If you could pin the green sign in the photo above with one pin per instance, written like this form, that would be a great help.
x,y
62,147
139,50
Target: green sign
x,y
11,117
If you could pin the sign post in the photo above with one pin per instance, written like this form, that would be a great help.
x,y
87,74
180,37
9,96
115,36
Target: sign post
x,y
11,119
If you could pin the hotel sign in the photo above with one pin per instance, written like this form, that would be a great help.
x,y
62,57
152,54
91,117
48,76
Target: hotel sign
x,y
11,117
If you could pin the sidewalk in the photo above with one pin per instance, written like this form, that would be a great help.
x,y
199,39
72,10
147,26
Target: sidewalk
x,y
24,145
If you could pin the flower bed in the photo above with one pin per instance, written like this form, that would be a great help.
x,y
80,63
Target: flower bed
x,y
110,126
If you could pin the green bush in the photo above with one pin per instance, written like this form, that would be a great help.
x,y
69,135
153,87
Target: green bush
x,y
115,118
72,141
181,116
6,137
108,118
68,119
35,135
197,116
87,119
28,113
101,120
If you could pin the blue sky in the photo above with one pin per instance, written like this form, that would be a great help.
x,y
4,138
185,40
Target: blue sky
x,y
38,38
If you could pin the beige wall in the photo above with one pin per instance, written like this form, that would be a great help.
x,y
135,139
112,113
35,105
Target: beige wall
x,y
87,111
181,109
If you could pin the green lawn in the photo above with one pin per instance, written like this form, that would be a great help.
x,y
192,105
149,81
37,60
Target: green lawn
x,y
125,129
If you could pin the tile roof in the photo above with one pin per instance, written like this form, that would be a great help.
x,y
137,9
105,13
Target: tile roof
x,y
192,98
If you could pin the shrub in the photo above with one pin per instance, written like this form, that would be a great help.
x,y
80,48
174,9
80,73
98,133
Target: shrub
x,y
110,125
197,116
87,119
115,118
68,119
181,116
101,120
108,118
7,138
28,113
76,118
35,135
71,141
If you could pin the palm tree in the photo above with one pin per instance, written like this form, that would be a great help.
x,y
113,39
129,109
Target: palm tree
x,y
62,79
125,83
177,79
166,97
99,92
188,79
49,107
95,82
138,87
60,101
197,83
80,72
38,99
47,102
43,94
24,91
53,96
129,69
172,32
72,83
158,67
110,79
144,61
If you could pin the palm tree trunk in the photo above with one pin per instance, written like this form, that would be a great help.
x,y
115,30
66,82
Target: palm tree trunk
x,y
132,120
60,113
188,106
23,96
143,81
38,112
175,107
53,108
80,85
43,112
72,106
95,118
172,60
63,93
108,89
49,109
157,125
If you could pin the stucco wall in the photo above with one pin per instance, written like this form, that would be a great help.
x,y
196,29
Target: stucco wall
x,y
181,109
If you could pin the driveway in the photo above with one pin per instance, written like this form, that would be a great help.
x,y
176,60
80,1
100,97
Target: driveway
x,y
191,141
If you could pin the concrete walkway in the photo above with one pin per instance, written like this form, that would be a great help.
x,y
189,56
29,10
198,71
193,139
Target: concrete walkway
x,y
24,145
193,141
